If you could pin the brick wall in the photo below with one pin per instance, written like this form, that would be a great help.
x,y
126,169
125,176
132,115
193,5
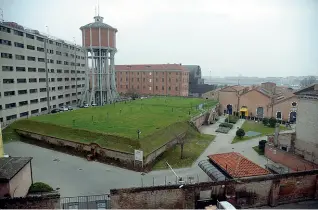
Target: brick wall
x,y
244,193
44,201
290,160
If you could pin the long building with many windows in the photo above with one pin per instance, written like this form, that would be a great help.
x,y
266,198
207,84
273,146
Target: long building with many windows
x,y
37,72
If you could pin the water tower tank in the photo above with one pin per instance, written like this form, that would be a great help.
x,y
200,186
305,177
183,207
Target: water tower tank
x,y
98,34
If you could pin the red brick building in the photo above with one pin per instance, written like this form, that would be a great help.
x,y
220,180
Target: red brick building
x,y
153,79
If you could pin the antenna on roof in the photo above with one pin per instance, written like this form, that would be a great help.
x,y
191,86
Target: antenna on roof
x,y
95,11
98,7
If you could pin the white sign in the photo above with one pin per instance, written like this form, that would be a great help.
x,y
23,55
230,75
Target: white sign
x,y
139,155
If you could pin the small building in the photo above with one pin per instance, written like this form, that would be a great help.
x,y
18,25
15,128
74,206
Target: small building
x,y
230,165
15,176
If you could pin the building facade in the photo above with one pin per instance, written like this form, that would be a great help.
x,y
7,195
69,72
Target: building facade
x,y
153,79
37,72
257,101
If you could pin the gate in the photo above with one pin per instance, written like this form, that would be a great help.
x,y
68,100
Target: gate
x,y
86,202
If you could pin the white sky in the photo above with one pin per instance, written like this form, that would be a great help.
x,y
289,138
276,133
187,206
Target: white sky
x,y
228,38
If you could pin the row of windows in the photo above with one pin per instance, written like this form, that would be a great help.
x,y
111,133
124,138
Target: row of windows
x,y
30,69
144,87
31,36
31,58
150,80
150,73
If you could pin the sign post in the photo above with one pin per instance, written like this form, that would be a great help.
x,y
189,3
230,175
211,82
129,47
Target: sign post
x,y
139,156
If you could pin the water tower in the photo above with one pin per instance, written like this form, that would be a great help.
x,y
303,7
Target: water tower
x,y
99,41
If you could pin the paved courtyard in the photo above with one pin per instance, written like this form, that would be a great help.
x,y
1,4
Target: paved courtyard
x,y
76,176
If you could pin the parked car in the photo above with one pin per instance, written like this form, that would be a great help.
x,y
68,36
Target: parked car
x,y
94,104
55,111
63,108
70,108
85,106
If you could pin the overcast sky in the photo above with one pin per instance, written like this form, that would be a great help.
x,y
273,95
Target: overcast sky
x,y
226,38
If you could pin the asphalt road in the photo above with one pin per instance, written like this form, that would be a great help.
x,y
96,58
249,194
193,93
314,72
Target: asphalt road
x,y
76,176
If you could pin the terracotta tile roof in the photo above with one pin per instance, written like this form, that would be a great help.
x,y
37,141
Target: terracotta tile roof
x,y
154,67
236,165
238,87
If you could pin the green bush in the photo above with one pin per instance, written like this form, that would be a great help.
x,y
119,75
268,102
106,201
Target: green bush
x,y
261,145
265,121
240,133
226,125
223,130
272,122
233,119
40,187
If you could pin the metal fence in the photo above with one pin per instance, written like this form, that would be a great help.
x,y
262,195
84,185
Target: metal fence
x,y
86,202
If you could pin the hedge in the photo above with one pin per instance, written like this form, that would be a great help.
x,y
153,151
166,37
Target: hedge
x,y
40,187
226,125
223,129
233,119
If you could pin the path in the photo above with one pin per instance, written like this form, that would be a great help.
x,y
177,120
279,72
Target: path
x,y
76,176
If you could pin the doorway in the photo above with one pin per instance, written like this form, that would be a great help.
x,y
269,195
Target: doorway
x,y
229,109
292,117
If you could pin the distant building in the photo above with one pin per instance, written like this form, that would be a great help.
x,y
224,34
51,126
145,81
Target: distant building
x,y
15,176
223,166
257,101
153,79
196,82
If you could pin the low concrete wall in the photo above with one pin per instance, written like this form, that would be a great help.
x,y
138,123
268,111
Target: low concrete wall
x,y
206,117
36,201
248,192
294,162
123,159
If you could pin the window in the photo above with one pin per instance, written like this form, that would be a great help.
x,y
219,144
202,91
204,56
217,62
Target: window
x,y
5,42
17,44
82,65
67,87
19,57
83,72
6,55
73,94
30,58
40,39
176,80
9,106
279,115
162,79
58,53
31,69
65,63
12,117
72,55
66,54
59,71
41,70
43,99
7,68
163,88
65,45
83,85
9,93
41,59
53,88
67,79
22,92
52,71
34,101
40,49
42,80
169,79
18,33
127,79
52,79
169,88
43,109
54,97
33,90
58,62
23,114
72,79
35,111
50,41
29,36
73,86
156,79
66,71
20,68
176,88
150,80
149,88
60,96
67,95
143,79
59,79
23,103
21,80
42,90
78,86
5,29
294,104
83,78
78,72
72,71
79,93
78,78
50,61
8,81
60,87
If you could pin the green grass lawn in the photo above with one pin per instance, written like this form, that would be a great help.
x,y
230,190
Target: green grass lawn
x,y
257,127
158,119
196,144
256,149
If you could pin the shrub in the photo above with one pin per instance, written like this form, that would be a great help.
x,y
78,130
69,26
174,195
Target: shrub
x,y
233,119
40,187
265,121
223,130
240,133
272,122
261,145
226,125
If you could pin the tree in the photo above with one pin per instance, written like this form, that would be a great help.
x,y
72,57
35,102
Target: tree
x,y
265,121
240,133
308,81
272,122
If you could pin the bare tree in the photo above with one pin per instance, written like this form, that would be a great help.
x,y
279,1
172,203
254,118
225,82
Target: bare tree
x,y
181,141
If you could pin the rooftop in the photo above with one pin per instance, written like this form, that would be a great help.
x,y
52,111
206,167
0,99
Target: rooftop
x,y
236,165
153,67
10,166
311,90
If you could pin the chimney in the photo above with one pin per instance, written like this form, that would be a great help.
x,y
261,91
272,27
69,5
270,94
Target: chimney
x,y
276,134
